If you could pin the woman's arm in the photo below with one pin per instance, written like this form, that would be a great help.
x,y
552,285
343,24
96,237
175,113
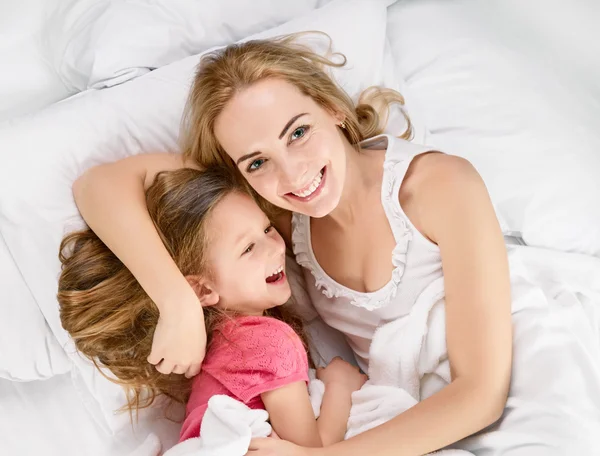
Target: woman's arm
x,y
111,199
448,202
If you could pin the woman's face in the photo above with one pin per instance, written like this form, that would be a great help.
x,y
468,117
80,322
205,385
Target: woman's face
x,y
245,257
288,147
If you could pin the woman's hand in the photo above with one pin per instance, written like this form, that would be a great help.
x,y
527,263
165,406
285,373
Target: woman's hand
x,y
342,374
276,447
179,343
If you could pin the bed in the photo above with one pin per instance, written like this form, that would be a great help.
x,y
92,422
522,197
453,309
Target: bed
x,y
513,87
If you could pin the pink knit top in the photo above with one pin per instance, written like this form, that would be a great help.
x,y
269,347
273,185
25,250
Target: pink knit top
x,y
248,356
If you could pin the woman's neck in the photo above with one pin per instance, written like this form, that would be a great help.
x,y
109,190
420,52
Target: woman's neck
x,y
363,175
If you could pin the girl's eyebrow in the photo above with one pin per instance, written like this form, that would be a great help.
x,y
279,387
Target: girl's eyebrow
x,y
241,238
290,122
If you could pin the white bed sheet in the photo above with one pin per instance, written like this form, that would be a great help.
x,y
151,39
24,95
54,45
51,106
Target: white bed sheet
x,y
49,418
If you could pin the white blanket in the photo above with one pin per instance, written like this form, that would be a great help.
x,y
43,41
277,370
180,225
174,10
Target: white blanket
x,y
554,402
395,374
226,430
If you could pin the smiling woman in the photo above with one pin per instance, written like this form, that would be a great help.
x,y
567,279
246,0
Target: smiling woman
x,y
285,163
311,121
301,132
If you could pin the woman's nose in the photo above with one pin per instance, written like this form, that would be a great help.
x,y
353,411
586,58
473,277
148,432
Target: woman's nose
x,y
293,174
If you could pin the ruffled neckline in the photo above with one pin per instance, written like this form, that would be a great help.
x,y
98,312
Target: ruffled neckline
x,y
301,240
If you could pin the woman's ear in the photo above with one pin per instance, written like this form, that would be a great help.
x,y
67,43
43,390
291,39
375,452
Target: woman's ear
x,y
339,116
206,293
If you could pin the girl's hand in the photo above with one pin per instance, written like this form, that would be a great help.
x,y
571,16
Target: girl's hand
x,y
275,447
342,374
179,343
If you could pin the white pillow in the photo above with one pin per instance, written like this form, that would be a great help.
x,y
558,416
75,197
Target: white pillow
x,y
27,81
96,44
41,156
533,134
28,349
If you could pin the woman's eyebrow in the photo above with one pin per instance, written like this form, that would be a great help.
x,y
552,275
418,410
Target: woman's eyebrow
x,y
246,157
283,132
289,124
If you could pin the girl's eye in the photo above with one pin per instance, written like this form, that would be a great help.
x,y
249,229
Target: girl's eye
x,y
268,229
248,249
299,132
256,164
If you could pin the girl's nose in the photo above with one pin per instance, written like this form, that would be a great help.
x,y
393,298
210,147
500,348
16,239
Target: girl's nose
x,y
276,245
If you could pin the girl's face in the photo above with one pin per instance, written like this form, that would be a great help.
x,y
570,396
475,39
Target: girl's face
x,y
245,257
287,146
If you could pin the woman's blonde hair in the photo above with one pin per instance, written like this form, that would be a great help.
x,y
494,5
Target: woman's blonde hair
x,y
222,73
110,317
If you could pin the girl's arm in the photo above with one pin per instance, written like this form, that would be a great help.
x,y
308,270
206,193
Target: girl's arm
x,y
448,202
111,199
291,412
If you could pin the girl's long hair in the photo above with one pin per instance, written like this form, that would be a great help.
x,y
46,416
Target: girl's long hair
x,y
110,317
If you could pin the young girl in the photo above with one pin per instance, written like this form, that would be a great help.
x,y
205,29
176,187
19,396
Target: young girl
x,y
234,260
377,223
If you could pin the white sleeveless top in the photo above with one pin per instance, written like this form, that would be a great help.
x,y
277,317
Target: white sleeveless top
x,y
416,260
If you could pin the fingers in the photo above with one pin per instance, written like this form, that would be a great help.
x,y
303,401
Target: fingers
x,y
154,357
165,367
320,372
179,369
193,370
257,444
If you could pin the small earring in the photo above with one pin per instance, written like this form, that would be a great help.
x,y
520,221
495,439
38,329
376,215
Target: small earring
x,y
343,124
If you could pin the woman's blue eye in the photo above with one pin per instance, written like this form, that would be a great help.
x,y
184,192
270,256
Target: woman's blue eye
x,y
256,164
299,132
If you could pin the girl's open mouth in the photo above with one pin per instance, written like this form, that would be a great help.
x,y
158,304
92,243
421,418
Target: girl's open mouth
x,y
277,277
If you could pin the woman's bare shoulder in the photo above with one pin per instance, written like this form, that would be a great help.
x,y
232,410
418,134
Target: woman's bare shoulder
x,y
435,169
433,179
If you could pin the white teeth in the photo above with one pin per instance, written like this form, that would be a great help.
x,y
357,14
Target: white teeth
x,y
313,186
277,271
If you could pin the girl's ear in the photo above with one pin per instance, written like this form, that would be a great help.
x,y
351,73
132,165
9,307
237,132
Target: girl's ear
x,y
204,290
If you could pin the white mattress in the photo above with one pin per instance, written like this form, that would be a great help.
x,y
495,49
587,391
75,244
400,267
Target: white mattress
x,y
49,418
